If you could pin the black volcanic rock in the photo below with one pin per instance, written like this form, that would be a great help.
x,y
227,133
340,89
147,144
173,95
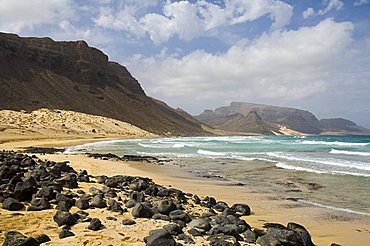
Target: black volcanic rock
x,y
42,73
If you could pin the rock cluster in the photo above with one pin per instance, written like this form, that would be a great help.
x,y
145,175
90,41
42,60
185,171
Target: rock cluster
x,y
29,183
137,158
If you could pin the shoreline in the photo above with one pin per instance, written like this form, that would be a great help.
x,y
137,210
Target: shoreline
x,y
325,225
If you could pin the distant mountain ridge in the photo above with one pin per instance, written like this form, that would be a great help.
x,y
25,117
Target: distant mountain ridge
x,y
42,73
268,120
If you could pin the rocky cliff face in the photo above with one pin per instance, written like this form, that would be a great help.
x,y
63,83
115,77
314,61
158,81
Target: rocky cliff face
x,y
41,73
268,118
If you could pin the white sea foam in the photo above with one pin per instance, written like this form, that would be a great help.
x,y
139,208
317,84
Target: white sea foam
x,y
295,168
310,170
345,152
331,162
335,143
346,210
210,153
153,146
178,145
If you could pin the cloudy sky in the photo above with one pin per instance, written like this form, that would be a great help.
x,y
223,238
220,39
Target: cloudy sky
x,y
198,54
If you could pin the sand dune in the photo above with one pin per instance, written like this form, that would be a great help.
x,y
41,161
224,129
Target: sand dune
x,y
61,124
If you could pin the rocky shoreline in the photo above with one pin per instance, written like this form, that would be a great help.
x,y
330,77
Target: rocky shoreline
x,y
29,184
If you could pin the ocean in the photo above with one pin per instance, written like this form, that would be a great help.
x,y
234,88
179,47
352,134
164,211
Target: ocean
x,y
327,171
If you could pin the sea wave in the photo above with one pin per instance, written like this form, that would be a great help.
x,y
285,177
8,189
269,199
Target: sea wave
x,y
335,143
178,145
295,168
346,210
210,153
346,152
153,146
330,162
310,170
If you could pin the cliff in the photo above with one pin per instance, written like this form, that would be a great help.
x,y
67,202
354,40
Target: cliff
x,y
42,73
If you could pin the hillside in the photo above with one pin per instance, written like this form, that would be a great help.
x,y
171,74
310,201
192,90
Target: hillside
x,y
269,119
61,124
42,73
251,123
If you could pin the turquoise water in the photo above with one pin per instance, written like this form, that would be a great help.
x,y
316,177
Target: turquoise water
x,y
328,170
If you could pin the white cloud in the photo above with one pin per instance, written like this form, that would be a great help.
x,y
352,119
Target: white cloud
x,y
308,13
281,64
16,15
361,2
69,31
190,20
330,5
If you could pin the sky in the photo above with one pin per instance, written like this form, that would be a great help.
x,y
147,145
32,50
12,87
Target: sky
x,y
203,54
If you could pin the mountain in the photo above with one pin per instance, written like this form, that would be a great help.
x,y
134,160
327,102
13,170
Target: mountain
x,y
268,120
42,73
251,123
341,125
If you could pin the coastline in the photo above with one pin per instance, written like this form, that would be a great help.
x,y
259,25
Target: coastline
x,y
325,225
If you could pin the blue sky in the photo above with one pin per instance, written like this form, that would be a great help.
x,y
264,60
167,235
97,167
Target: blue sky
x,y
200,54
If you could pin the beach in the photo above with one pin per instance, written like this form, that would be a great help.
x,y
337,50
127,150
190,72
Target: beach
x,y
325,225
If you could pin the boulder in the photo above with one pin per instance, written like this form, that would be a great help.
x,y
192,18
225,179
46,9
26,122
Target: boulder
x,y
63,198
228,211
202,224
64,218
228,229
220,206
223,240
41,203
12,204
98,201
163,192
241,209
180,215
173,229
65,233
47,192
302,232
130,203
24,190
95,224
194,232
159,238
115,206
139,185
250,236
43,238
166,206
286,237
137,196
268,240
187,239
64,206
101,179
141,210
82,203
161,217
14,238
128,222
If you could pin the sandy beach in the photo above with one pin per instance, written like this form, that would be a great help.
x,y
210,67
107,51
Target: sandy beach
x,y
326,226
